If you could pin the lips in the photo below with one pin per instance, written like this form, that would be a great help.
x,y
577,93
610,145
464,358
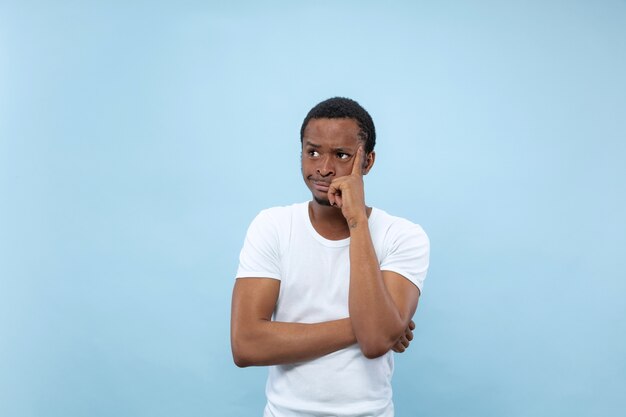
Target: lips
x,y
321,186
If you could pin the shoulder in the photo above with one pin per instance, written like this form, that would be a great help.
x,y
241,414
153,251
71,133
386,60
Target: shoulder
x,y
279,215
404,246
266,240
394,227
277,220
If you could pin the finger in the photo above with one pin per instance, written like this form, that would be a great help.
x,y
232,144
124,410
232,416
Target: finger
x,y
412,325
332,193
357,165
402,341
409,335
335,199
398,347
405,342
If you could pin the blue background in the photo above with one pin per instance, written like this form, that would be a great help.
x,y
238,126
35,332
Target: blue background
x,y
137,141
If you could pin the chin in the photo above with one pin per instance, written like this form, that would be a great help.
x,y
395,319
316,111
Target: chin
x,y
322,201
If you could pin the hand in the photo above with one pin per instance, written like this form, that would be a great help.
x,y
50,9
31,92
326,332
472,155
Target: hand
x,y
347,192
403,342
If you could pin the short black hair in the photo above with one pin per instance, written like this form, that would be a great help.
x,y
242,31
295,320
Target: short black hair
x,y
344,108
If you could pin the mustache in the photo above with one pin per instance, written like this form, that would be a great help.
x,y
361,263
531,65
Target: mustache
x,y
319,180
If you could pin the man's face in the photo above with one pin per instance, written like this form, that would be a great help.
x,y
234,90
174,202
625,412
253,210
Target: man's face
x,y
328,150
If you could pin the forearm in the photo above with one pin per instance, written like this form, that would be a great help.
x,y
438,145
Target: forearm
x,y
265,342
376,320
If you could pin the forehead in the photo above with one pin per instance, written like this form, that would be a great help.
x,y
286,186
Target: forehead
x,y
332,132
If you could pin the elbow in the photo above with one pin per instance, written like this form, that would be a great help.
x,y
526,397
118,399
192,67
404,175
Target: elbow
x,y
377,345
247,347
373,352
241,356
241,361
375,348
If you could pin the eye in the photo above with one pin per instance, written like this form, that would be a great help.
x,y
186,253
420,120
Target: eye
x,y
342,155
313,153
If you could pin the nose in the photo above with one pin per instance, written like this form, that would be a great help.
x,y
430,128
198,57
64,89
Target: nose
x,y
326,167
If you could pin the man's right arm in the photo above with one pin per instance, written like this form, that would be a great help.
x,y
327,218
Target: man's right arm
x,y
257,340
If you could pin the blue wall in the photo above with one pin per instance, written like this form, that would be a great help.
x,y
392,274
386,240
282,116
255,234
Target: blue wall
x,y
138,141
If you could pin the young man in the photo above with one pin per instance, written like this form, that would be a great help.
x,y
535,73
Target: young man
x,y
327,288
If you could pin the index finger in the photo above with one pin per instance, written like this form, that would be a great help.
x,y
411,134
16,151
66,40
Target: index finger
x,y
357,165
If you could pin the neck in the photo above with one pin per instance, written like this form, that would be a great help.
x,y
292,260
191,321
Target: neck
x,y
325,213
329,221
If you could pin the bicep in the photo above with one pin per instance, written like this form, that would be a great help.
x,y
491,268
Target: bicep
x,y
404,294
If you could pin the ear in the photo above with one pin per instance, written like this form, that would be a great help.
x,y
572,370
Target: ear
x,y
369,162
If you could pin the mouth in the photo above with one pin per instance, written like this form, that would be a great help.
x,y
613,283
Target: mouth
x,y
321,185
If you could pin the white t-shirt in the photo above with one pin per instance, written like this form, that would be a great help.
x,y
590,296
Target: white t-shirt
x,y
281,243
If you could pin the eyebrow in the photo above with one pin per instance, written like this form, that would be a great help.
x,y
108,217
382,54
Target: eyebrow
x,y
317,146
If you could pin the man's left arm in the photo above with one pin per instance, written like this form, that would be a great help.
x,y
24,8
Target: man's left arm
x,y
381,303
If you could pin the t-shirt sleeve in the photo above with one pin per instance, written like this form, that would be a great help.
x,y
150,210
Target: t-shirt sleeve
x,y
408,253
259,257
